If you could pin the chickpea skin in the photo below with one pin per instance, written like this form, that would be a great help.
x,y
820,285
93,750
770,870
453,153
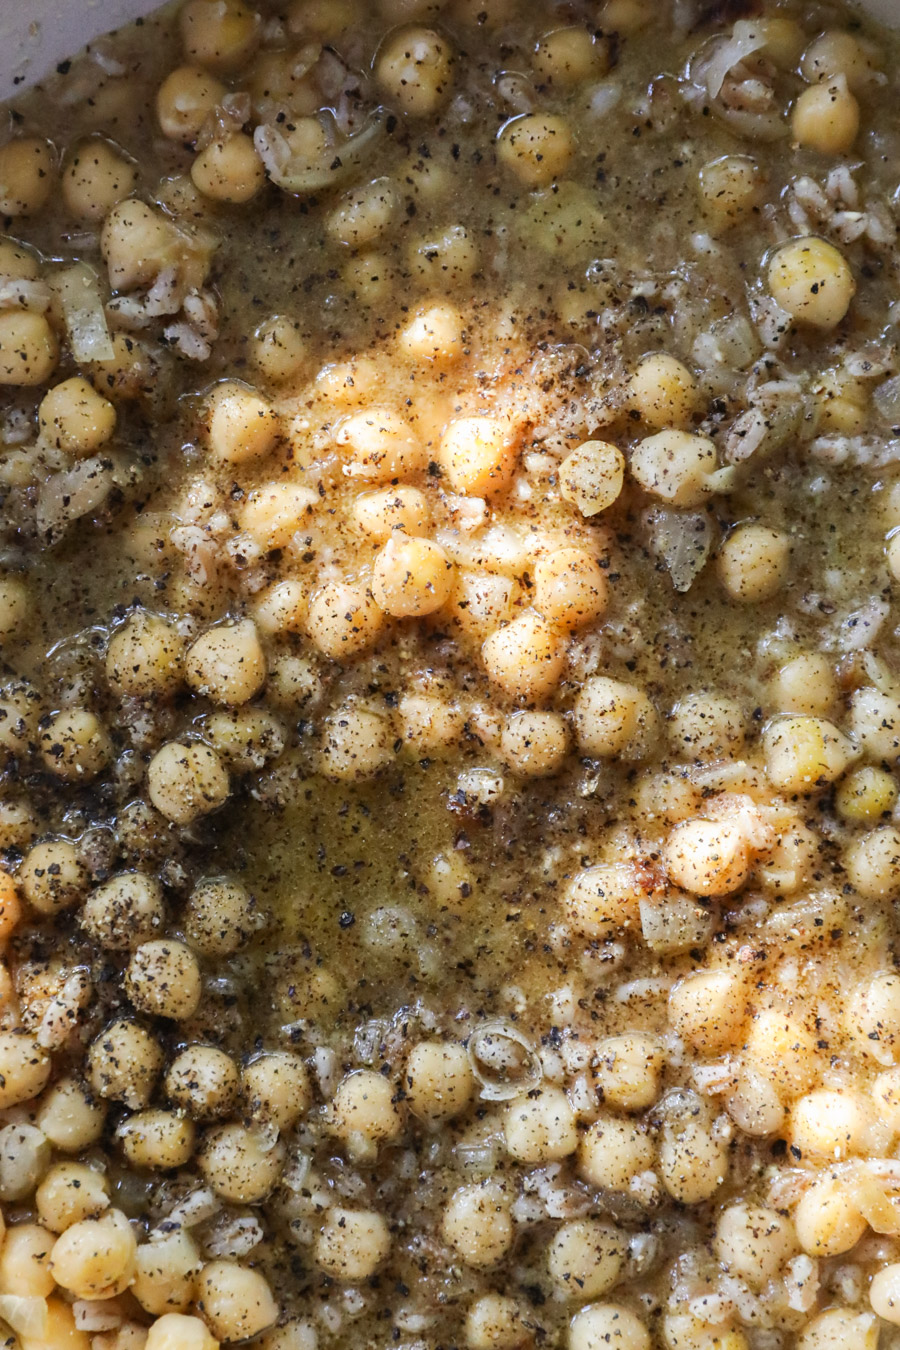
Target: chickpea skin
x,y
536,147
415,67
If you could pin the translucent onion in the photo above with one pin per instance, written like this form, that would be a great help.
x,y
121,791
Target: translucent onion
x,y
339,160
78,288
503,1061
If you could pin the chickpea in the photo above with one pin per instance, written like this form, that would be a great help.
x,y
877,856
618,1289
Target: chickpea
x,y
731,188
811,279
805,684
356,743
444,259
185,100
53,876
614,1152
29,351
602,899
177,1331
27,176
276,1089
229,170
435,335
534,744
219,34
203,1081
693,1154
536,147
186,781
124,911
781,1049
364,214
220,916
414,67
227,664
840,1329
439,1081
606,1324
132,371
873,1018
828,1126
404,510
69,1193
136,241
865,794
75,745
827,1219
73,417
541,1127
352,1244
708,1010
70,1117
166,1273
676,466
592,476
25,1261
163,979
24,1068
612,718
585,1258
664,392
364,1105
753,1242
837,53
477,456
235,1301
239,1164
569,56
804,754
95,1258
526,658
825,117
124,1063
279,350
97,177
411,577
494,1322
241,426
343,620
875,723
570,588
17,261
628,1069
15,605
144,657
477,1223
157,1140
382,444
753,563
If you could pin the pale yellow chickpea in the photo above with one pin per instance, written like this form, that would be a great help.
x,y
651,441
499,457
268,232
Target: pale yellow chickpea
x,y
219,917
179,1331
570,588
124,1063
477,455
219,34
753,1242
730,189
370,277
352,1244
130,373
414,67
540,1127
97,176
872,862
438,1081
19,824
186,781
536,147
137,241
356,743
240,1164
827,1219
184,101
53,877
75,745
828,1126
842,403
753,563
664,392
411,577
804,754
229,170
275,1088
875,723
204,1081
25,1261
95,1258
24,1068
708,1010
282,608
612,718
227,664
477,1223
627,1070
279,350
163,979
585,1258
592,476
886,1098
566,57
69,1193
241,424
124,911
873,1018
382,445
534,744
781,1049
525,659
840,1329
707,726
494,1322
29,351
805,684
364,214
865,794
600,900
70,1116
17,261
693,1157
166,1272
812,280
837,53
27,175
825,117
434,335
73,417
365,1105
144,657
614,1152
676,466
15,605
157,1140
607,1324
402,509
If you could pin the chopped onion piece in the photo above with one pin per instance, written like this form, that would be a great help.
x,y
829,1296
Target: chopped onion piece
x,y
73,493
78,288
503,1061
683,541
339,159
746,39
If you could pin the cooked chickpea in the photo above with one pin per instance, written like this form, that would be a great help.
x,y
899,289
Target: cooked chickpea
x,y
827,1219
592,476
227,664
781,1049
730,188
97,176
70,1117
382,445
753,563
585,1258
15,605
364,214
204,1081
601,899
614,1152
875,723
136,241
534,744
411,577
352,1244
53,876
477,455
131,372
540,1127
276,1089
676,466
872,862
279,350
365,1105
566,57
805,684
220,916
828,1126
124,911
95,1258
835,53
356,743
69,1193
708,1010
245,738
825,117
29,351
812,280
27,175
612,718
184,101
25,1261
884,1294
607,1324
166,1273
229,170
75,745
415,69
242,426
753,1242
343,620
10,907
664,392
627,1070
401,509
163,978
478,1224
240,1164
434,335
178,1331
447,258
73,417
219,34
157,1140
865,794
873,1018
494,1322
186,781
144,657
570,588
24,1068
236,1301
124,1063
282,608
536,147
840,1329
804,754
526,658
439,1081
693,1155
